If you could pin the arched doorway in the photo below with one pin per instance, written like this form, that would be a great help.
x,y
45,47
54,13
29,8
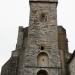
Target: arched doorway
x,y
42,59
42,72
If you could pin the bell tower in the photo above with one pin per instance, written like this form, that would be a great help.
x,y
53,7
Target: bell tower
x,y
41,56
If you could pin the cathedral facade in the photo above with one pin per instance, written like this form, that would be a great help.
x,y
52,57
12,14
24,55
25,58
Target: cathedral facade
x,y
42,48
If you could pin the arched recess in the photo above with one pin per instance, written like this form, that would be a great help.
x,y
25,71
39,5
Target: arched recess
x,y
42,59
42,72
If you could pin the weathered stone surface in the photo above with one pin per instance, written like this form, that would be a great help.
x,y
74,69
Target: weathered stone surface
x,y
42,32
71,64
41,48
10,68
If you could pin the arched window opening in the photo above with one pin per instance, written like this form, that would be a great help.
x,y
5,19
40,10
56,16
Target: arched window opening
x,y
42,72
42,59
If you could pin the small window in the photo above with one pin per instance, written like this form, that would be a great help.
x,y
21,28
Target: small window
x,y
43,17
42,48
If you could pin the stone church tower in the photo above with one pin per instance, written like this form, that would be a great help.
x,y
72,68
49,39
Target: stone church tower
x,y
41,56
42,47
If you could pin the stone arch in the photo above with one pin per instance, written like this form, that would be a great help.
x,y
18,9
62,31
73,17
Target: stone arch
x,y
42,59
42,72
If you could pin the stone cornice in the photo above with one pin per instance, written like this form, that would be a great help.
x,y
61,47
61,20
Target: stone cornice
x,y
44,1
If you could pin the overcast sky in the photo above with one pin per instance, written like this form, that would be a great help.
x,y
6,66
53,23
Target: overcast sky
x,y
15,13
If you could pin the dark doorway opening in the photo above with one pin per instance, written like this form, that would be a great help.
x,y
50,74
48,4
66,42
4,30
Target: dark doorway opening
x,y
42,72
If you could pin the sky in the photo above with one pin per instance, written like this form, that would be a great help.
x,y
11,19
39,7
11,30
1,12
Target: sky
x,y
15,13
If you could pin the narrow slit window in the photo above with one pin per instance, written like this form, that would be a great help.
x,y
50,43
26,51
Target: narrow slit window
x,y
42,48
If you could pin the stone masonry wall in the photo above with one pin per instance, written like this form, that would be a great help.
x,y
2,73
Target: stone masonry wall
x,y
10,68
72,67
63,47
42,32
